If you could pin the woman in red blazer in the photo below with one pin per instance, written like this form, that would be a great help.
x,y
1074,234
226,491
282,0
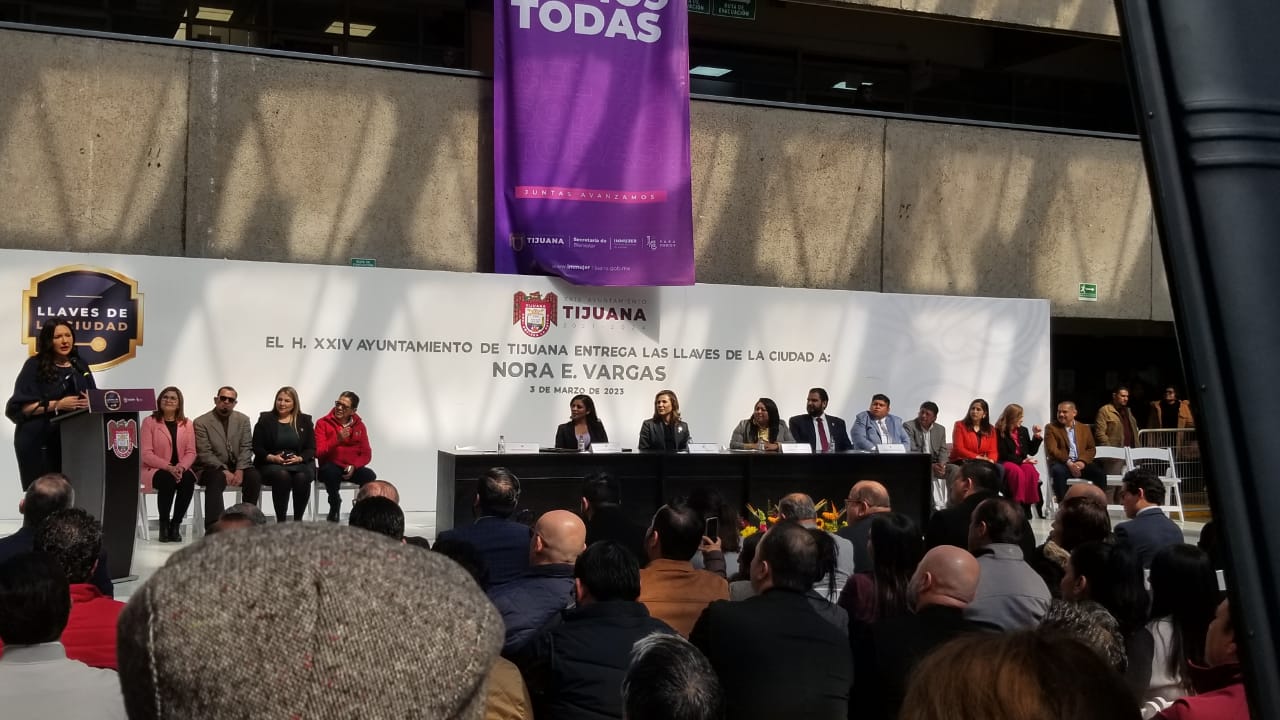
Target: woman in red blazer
x,y
973,437
168,452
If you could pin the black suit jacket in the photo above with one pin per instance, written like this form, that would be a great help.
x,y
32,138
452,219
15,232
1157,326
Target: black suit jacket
x,y
24,540
776,657
567,440
857,533
1148,533
950,526
801,427
1005,452
264,438
883,665
652,436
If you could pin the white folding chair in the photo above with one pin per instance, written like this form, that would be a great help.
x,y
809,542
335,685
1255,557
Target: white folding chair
x,y
142,513
315,494
197,507
1172,485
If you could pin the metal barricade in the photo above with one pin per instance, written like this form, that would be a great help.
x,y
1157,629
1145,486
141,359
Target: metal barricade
x,y
1186,458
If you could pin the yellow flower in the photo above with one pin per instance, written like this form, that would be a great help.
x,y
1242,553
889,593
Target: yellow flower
x,y
748,531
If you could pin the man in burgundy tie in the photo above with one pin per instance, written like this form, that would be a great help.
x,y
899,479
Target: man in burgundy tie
x,y
824,433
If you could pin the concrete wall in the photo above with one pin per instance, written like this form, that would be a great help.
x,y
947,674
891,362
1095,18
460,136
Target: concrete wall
x,y
135,148
1094,17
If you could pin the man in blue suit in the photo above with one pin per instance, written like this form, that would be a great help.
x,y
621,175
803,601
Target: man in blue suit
x,y
1150,530
501,541
823,432
875,426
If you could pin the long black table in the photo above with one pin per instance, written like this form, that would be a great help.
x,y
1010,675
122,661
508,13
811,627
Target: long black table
x,y
551,481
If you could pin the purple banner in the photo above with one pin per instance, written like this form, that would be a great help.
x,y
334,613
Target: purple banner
x,y
591,141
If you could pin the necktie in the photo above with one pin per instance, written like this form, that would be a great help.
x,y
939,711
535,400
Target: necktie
x,y
822,435
884,431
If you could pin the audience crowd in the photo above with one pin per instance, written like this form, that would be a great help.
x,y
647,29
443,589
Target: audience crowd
x,y
595,613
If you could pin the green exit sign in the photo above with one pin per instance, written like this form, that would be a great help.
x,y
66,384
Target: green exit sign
x,y
364,262
1088,292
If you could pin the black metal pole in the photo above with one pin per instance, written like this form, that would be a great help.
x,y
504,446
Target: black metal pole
x,y
1206,82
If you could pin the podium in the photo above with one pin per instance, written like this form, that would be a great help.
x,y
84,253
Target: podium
x,y
102,458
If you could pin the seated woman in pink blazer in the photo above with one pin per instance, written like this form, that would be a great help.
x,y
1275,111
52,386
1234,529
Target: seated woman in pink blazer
x,y
168,451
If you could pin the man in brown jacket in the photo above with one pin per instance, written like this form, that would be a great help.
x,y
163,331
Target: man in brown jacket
x,y
1069,447
670,587
1115,424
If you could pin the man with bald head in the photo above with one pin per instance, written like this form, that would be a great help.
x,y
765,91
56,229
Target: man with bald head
x,y
1086,491
546,588
867,498
941,588
378,488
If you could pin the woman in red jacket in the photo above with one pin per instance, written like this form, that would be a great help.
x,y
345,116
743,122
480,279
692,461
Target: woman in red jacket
x,y
342,448
168,451
973,438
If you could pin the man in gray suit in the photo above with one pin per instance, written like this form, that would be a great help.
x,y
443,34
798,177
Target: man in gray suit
x,y
224,454
928,437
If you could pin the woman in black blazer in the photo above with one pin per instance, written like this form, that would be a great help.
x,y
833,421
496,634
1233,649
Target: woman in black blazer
x,y
284,451
583,427
1015,448
53,381
665,430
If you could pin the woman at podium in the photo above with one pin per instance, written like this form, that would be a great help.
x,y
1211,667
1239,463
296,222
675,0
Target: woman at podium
x,y
284,451
665,430
168,451
583,427
762,431
53,381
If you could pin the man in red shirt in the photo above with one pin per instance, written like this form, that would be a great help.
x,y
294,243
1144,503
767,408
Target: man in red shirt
x,y
342,450
73,538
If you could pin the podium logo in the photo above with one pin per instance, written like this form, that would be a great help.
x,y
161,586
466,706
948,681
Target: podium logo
x,y
536,314
122,437
103,307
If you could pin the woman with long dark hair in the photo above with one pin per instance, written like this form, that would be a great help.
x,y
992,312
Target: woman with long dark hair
x,y
52,382
665,430
168,444
284,450
584,426
896,547
972,437
764,430
1015,450
1184,596
1111,576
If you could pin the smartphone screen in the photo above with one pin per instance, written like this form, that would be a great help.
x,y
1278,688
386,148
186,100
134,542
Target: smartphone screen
x,y
712,530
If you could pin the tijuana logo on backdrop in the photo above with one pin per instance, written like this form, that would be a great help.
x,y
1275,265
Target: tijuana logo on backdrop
x,y
535,313
103,307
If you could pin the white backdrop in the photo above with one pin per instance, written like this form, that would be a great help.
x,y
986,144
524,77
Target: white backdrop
x,y
213,322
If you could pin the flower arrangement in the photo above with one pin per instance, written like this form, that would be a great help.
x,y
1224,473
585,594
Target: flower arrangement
x,y
757,520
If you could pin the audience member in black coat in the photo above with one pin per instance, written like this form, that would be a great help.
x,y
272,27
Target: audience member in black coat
x,y
574,669
669,678
774,654
976,481
605,518
49,493
867,498
502,543
529,601
944,583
